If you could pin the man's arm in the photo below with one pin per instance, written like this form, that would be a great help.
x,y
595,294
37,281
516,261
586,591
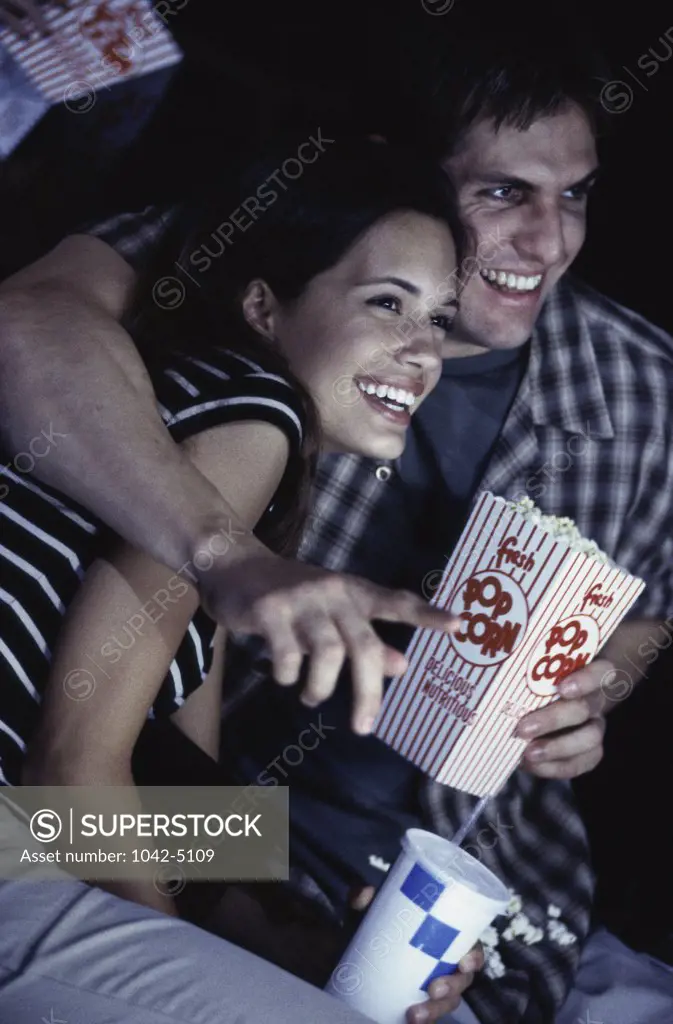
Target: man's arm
x,y
70,374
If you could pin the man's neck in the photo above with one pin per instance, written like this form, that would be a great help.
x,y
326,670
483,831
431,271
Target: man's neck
x,y
459,348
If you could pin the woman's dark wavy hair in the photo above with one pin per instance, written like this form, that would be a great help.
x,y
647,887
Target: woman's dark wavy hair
x,y
302,227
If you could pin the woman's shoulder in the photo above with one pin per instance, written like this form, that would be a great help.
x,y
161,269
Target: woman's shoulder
x,y
219,385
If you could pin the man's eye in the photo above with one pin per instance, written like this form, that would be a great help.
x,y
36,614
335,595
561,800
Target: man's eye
x,y
445,323
505,193
577,194
390,302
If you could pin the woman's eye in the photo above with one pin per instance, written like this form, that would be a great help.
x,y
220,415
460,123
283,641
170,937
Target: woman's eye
x,y
445,323
390,302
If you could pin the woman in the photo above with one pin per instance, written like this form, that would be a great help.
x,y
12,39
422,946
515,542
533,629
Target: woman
x,y
307,300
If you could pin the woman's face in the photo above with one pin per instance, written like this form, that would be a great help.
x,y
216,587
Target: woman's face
x,y
375,321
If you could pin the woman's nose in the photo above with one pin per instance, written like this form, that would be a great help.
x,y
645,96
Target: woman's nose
x,y
422,348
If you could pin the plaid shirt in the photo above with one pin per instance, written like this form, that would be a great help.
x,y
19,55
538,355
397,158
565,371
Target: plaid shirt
x,y
588,436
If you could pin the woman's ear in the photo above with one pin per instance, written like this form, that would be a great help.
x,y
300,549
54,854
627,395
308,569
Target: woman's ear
x,y
260,308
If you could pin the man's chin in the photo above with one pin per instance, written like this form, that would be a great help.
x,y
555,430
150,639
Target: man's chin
x,y
480,343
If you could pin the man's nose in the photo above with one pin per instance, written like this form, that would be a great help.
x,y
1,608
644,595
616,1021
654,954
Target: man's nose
x,y
541,237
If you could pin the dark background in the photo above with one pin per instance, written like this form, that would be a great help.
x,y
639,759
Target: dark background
x,y
244,67
247,62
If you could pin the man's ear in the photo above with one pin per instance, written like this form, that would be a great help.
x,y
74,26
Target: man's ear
x,y
260,308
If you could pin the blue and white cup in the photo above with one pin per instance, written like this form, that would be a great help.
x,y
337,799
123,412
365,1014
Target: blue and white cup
x,y
434,905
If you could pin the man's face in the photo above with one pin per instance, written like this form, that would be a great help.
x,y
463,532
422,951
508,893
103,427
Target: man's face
x,y
524,195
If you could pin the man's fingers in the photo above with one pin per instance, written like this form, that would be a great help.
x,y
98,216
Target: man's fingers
x,y
285,650
361,898
287,657
568,769
394,662
575,743
445,994
472,961
326,651
591,679
451,986
562,714
403,606
583,696
367,655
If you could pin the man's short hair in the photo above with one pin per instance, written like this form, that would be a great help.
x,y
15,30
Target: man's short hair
x,y
512,66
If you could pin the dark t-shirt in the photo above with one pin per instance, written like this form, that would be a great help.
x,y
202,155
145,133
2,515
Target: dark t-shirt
x,y
351,797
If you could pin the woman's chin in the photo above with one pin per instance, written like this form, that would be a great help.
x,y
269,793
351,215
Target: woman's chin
x,y
377,448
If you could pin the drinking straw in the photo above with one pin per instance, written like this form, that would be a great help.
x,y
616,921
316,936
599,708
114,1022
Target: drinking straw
x,y
466,827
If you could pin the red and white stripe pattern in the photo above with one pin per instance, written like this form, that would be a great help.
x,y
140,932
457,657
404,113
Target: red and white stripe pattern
x,y
93,46
478,758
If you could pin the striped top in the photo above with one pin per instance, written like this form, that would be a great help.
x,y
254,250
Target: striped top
x,y
47,541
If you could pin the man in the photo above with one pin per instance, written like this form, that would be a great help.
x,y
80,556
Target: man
x,y
549,389
527,404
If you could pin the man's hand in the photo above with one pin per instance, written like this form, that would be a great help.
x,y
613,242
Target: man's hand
x,y
302,610
567,735
444,993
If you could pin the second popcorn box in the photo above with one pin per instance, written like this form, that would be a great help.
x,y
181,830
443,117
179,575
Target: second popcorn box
x,y
536,601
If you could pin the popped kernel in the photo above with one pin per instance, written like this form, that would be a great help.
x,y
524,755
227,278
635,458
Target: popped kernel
x,y
561,527
490,937
559,933
493,965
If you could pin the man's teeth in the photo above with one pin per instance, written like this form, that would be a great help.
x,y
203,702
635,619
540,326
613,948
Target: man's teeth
x,y
511,282
397,397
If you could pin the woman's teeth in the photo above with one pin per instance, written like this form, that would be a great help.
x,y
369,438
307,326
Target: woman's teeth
x,y
511,282
394,398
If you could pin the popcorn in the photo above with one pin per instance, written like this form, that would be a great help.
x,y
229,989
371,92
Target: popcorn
x,y
561,527
536,602
489,937
493,965
559,933
520,929
92,46
514,905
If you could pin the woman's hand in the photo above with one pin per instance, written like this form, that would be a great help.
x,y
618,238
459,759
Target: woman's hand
x,y
303,610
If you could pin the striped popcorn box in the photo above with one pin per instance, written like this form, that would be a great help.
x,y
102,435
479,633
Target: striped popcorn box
x,y
21,105
435,903
536,602
93,46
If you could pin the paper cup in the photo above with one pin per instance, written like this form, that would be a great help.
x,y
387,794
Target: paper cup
x,y
434,905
